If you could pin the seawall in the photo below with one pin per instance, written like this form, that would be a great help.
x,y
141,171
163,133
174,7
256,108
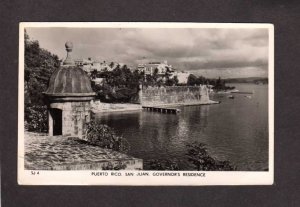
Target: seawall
x,y
175,95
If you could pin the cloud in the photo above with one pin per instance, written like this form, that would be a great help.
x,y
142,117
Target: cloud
x,y
186,49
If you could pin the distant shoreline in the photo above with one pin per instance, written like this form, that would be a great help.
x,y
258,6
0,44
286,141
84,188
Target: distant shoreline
x,y
254,80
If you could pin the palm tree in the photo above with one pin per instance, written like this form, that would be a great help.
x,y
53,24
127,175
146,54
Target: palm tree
x,y
112,64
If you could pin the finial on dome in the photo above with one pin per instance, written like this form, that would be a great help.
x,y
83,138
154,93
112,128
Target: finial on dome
x,y
69,48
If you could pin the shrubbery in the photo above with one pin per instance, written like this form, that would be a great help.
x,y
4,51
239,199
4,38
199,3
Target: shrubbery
x,y
105,137
36,118
198,155
163,165
110,166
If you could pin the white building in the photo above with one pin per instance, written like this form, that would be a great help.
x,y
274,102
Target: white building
x,y
98,81
151,67
90,65
181,76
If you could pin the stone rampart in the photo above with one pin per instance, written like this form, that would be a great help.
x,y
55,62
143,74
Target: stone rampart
x,y
174,95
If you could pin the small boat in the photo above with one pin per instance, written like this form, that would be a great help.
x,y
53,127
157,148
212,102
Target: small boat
x,y
248,97
231,97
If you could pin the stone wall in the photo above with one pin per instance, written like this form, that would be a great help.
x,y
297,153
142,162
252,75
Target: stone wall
x,y
97,107
69,154
74,117
174,95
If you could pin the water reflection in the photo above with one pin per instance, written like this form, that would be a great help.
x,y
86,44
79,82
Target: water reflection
x,y
235,130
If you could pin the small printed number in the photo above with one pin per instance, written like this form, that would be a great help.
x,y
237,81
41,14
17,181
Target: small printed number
x,y
35,172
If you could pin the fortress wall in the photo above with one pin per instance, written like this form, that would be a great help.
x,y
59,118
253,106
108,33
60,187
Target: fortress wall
x,y
174,95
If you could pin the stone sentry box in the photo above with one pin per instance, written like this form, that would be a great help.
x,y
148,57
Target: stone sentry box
x,y
69,94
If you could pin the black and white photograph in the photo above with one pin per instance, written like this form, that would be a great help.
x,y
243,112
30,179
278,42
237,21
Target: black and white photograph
x,y
146,104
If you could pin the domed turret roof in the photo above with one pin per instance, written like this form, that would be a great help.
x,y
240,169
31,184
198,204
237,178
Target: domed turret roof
x,y
67,80
70,82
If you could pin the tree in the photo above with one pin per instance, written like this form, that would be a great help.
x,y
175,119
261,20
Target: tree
x,y
218,83
221,85
202,80
94,74
112,64
192,80
175,80
122,85
171,81
39,65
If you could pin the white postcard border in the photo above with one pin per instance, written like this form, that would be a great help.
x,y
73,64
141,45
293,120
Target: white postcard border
x,y
155,178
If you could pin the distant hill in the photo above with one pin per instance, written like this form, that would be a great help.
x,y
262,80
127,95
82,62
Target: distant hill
x,y
257,80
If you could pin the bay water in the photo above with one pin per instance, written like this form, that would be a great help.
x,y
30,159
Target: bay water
x,y
235,130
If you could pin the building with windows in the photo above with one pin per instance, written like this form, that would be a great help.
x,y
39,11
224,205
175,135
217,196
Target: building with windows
x,y
155,67
90,65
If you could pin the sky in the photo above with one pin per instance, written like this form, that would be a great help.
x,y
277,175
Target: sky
x,y
210,52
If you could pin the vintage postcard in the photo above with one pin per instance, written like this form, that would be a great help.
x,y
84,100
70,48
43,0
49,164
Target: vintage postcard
x,y
146,104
